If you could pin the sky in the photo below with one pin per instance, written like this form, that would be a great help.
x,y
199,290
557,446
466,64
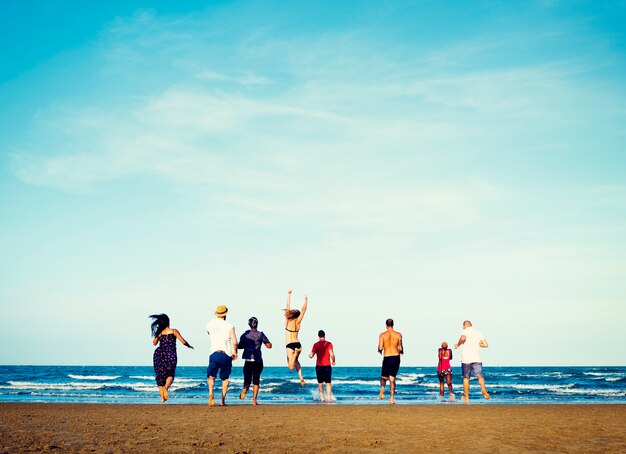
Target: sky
x,y
426,161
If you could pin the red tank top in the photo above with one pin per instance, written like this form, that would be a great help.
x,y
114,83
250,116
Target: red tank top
x,y
444,363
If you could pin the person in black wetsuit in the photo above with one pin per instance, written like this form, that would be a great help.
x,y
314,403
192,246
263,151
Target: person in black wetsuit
x,y
293,318
251,342
164,358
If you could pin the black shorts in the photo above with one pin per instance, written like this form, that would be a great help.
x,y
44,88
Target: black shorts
x,y
391,365
252,372
324,374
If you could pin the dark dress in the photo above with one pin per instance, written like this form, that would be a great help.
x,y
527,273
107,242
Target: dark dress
x,y
164,358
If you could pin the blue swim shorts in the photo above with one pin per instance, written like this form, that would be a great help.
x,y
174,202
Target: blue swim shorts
x,y
219,361
477,368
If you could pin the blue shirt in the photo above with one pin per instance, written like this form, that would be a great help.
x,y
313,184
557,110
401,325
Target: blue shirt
x,y
251,342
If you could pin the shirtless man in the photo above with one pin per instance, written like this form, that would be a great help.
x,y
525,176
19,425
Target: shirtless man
x,y
389,342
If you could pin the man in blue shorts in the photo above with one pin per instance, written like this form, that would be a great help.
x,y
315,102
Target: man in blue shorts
x,y
472,341
223,351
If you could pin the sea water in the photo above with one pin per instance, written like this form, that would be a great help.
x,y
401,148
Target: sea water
x,y
351,385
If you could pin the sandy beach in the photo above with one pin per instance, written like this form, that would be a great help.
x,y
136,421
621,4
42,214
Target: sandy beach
x,y
322,428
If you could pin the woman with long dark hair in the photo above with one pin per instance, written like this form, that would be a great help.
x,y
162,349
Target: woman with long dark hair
x,y
293,318
164,358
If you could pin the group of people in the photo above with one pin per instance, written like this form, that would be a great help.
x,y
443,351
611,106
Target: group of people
x,y
225,346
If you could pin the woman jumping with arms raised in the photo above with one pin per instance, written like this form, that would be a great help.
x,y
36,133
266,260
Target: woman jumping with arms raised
x,y
293,318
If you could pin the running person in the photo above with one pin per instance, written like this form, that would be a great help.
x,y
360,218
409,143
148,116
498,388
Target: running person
x,y
444,370
164,358
223,352
472,341
293,319
251,342
390,346
323,369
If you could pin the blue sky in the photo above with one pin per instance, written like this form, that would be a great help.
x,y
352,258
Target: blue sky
x,y
426,161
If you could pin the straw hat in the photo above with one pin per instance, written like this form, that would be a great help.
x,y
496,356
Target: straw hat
x,y
221,311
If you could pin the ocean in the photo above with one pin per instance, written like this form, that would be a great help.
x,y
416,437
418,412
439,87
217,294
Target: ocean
x,y
351,385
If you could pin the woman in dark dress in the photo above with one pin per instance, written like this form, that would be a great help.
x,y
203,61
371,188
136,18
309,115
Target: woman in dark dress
x,y
164,358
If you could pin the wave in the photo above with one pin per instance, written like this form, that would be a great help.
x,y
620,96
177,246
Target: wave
x,y
593,392
94,377
541,375
189,380
142,377
52,386
531,387
356,382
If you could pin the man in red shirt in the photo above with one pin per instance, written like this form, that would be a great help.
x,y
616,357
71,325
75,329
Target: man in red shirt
x,y
325,357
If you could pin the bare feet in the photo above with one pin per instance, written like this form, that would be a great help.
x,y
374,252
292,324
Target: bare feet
x,y
223,404
242,395
381,395
211,401
392,401
486,394
166,395
464,398
255,403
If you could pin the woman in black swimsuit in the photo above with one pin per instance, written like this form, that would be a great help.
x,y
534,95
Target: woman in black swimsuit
x,y
293,318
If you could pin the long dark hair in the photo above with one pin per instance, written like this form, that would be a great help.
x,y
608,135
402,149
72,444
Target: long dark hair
x,y
159,323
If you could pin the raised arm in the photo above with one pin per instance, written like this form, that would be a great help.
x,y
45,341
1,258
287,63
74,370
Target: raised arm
x,y
288,299
483,343
303,311
460,342
182,339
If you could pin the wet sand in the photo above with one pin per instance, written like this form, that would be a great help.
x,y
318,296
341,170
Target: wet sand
x,y
312,428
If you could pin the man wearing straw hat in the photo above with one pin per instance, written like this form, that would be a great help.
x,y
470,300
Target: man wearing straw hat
x,y
223,351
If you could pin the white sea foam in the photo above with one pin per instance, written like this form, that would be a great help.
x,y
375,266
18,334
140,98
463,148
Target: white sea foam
x,y
408,379
143,387
429,385
541,375
606,376
532,387
142,377
357,382
27,385
176,385
593,392
187,380
94,377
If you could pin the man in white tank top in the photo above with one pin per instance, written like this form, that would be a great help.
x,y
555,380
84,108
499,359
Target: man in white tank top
x,y
223,351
